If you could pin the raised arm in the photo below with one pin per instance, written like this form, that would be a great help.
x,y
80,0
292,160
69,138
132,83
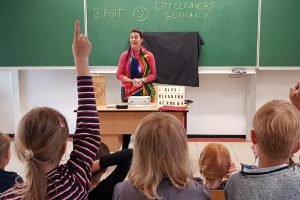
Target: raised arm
x,y
86,138
81,51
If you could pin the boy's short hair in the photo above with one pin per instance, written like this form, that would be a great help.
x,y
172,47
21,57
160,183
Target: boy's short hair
x,y
4,146
277,128
214,161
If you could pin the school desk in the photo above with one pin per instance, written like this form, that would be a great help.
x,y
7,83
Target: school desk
x,y
116,122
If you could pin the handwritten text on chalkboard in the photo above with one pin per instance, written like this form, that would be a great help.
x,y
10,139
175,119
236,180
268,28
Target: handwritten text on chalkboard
x,y
184,10
107,12
166,10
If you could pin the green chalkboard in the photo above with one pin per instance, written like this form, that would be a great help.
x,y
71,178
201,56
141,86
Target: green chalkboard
x,y
280,33
38,32
228,27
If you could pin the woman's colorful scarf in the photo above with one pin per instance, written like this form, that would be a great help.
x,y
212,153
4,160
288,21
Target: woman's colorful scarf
x,y
135,71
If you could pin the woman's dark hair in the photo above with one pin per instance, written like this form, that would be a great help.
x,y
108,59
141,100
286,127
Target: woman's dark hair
x,y
135,30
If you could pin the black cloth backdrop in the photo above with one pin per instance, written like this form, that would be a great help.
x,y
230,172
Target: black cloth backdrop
x,y
176,55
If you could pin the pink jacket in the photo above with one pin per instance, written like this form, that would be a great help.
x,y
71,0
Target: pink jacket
x,y
123,67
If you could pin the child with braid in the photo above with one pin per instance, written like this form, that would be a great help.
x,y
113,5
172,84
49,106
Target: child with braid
x,y
42,136
214,163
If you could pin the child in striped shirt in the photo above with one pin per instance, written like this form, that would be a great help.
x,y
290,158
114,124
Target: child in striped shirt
x,y
42,140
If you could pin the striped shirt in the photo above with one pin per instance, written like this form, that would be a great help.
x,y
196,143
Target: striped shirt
x,y
72,180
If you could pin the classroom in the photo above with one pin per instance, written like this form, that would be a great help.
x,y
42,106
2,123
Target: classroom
x,y
240,95
250,56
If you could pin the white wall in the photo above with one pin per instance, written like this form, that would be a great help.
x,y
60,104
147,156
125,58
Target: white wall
x,y
275,85
52,88
219,106
6,102
219,103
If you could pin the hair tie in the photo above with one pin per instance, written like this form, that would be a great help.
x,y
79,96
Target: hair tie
x,y
28,154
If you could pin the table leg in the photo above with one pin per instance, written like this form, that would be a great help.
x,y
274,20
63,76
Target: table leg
x,y
114,142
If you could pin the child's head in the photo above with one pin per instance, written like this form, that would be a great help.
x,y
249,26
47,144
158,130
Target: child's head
x,y
276,129
103,151
214,162
160,151
4,150
40,142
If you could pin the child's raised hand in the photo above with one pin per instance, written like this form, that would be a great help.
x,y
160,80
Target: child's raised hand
x,y
295,95
81,51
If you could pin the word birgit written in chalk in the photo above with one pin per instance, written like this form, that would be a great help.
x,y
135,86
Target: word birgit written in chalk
x,y
108,12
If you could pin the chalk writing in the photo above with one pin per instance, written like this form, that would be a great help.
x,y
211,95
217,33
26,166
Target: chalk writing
x,y
166,9
140,13
184,10
184,15
165,5
107,12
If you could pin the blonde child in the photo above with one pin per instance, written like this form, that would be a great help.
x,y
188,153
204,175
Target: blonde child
x,y
276,134
253,147
214,163
7,179
161,167
41,141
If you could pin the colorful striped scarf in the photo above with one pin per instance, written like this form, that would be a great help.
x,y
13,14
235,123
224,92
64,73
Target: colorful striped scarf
x,y
147,89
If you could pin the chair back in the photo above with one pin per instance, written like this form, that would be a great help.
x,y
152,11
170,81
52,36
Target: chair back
x,y
217,195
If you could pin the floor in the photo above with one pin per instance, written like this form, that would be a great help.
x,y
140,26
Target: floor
x,y
240,152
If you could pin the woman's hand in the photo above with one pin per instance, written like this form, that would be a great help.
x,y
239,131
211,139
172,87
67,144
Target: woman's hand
x,y
137,82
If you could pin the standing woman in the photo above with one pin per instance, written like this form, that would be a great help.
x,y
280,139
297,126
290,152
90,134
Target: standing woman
x,y
136,70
